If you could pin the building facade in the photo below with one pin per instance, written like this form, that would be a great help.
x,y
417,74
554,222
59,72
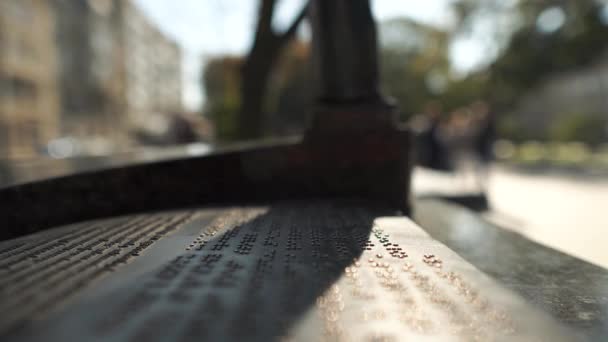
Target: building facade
x,y
91,69
130,69
153,68
29,98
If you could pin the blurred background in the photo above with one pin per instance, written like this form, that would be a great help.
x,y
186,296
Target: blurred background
x,y
508,98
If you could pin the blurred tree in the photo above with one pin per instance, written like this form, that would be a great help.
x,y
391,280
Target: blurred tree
x,y
461,92
257,67
291,93
288,94
546,37
414,63
267,92
554,35
221,81
241,91
416,68
581,127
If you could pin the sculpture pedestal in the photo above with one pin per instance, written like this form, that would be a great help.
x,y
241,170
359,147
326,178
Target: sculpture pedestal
x,y
359,150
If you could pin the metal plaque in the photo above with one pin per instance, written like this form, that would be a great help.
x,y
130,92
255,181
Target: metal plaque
x,y
302,271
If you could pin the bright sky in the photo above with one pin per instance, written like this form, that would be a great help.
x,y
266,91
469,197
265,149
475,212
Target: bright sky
x,y
205,28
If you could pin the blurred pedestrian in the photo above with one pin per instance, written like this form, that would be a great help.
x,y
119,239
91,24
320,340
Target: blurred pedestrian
x,y
485,135
432,153
457,135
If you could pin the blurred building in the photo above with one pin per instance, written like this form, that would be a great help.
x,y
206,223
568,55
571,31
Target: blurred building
x,y
94,70
29,98
153,68
91,76
118,70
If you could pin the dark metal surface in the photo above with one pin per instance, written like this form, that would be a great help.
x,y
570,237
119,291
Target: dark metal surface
x,y
38,273
305,271
573,291
345,51
375,166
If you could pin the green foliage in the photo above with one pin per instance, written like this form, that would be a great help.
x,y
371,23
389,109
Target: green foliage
x,y
532,55
416,70
510,128
288,99
463,92
414,63
590,129
221,81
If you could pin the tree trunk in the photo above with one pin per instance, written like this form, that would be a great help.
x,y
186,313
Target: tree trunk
x,y
254,86
267,46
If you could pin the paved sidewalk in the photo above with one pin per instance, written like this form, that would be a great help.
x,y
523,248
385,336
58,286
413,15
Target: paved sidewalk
x,y
565,213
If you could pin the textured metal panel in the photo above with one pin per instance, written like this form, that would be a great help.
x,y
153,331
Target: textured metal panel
x,y
572,290
39,272
294,271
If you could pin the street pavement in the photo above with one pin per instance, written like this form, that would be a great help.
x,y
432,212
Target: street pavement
x,y
563,212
